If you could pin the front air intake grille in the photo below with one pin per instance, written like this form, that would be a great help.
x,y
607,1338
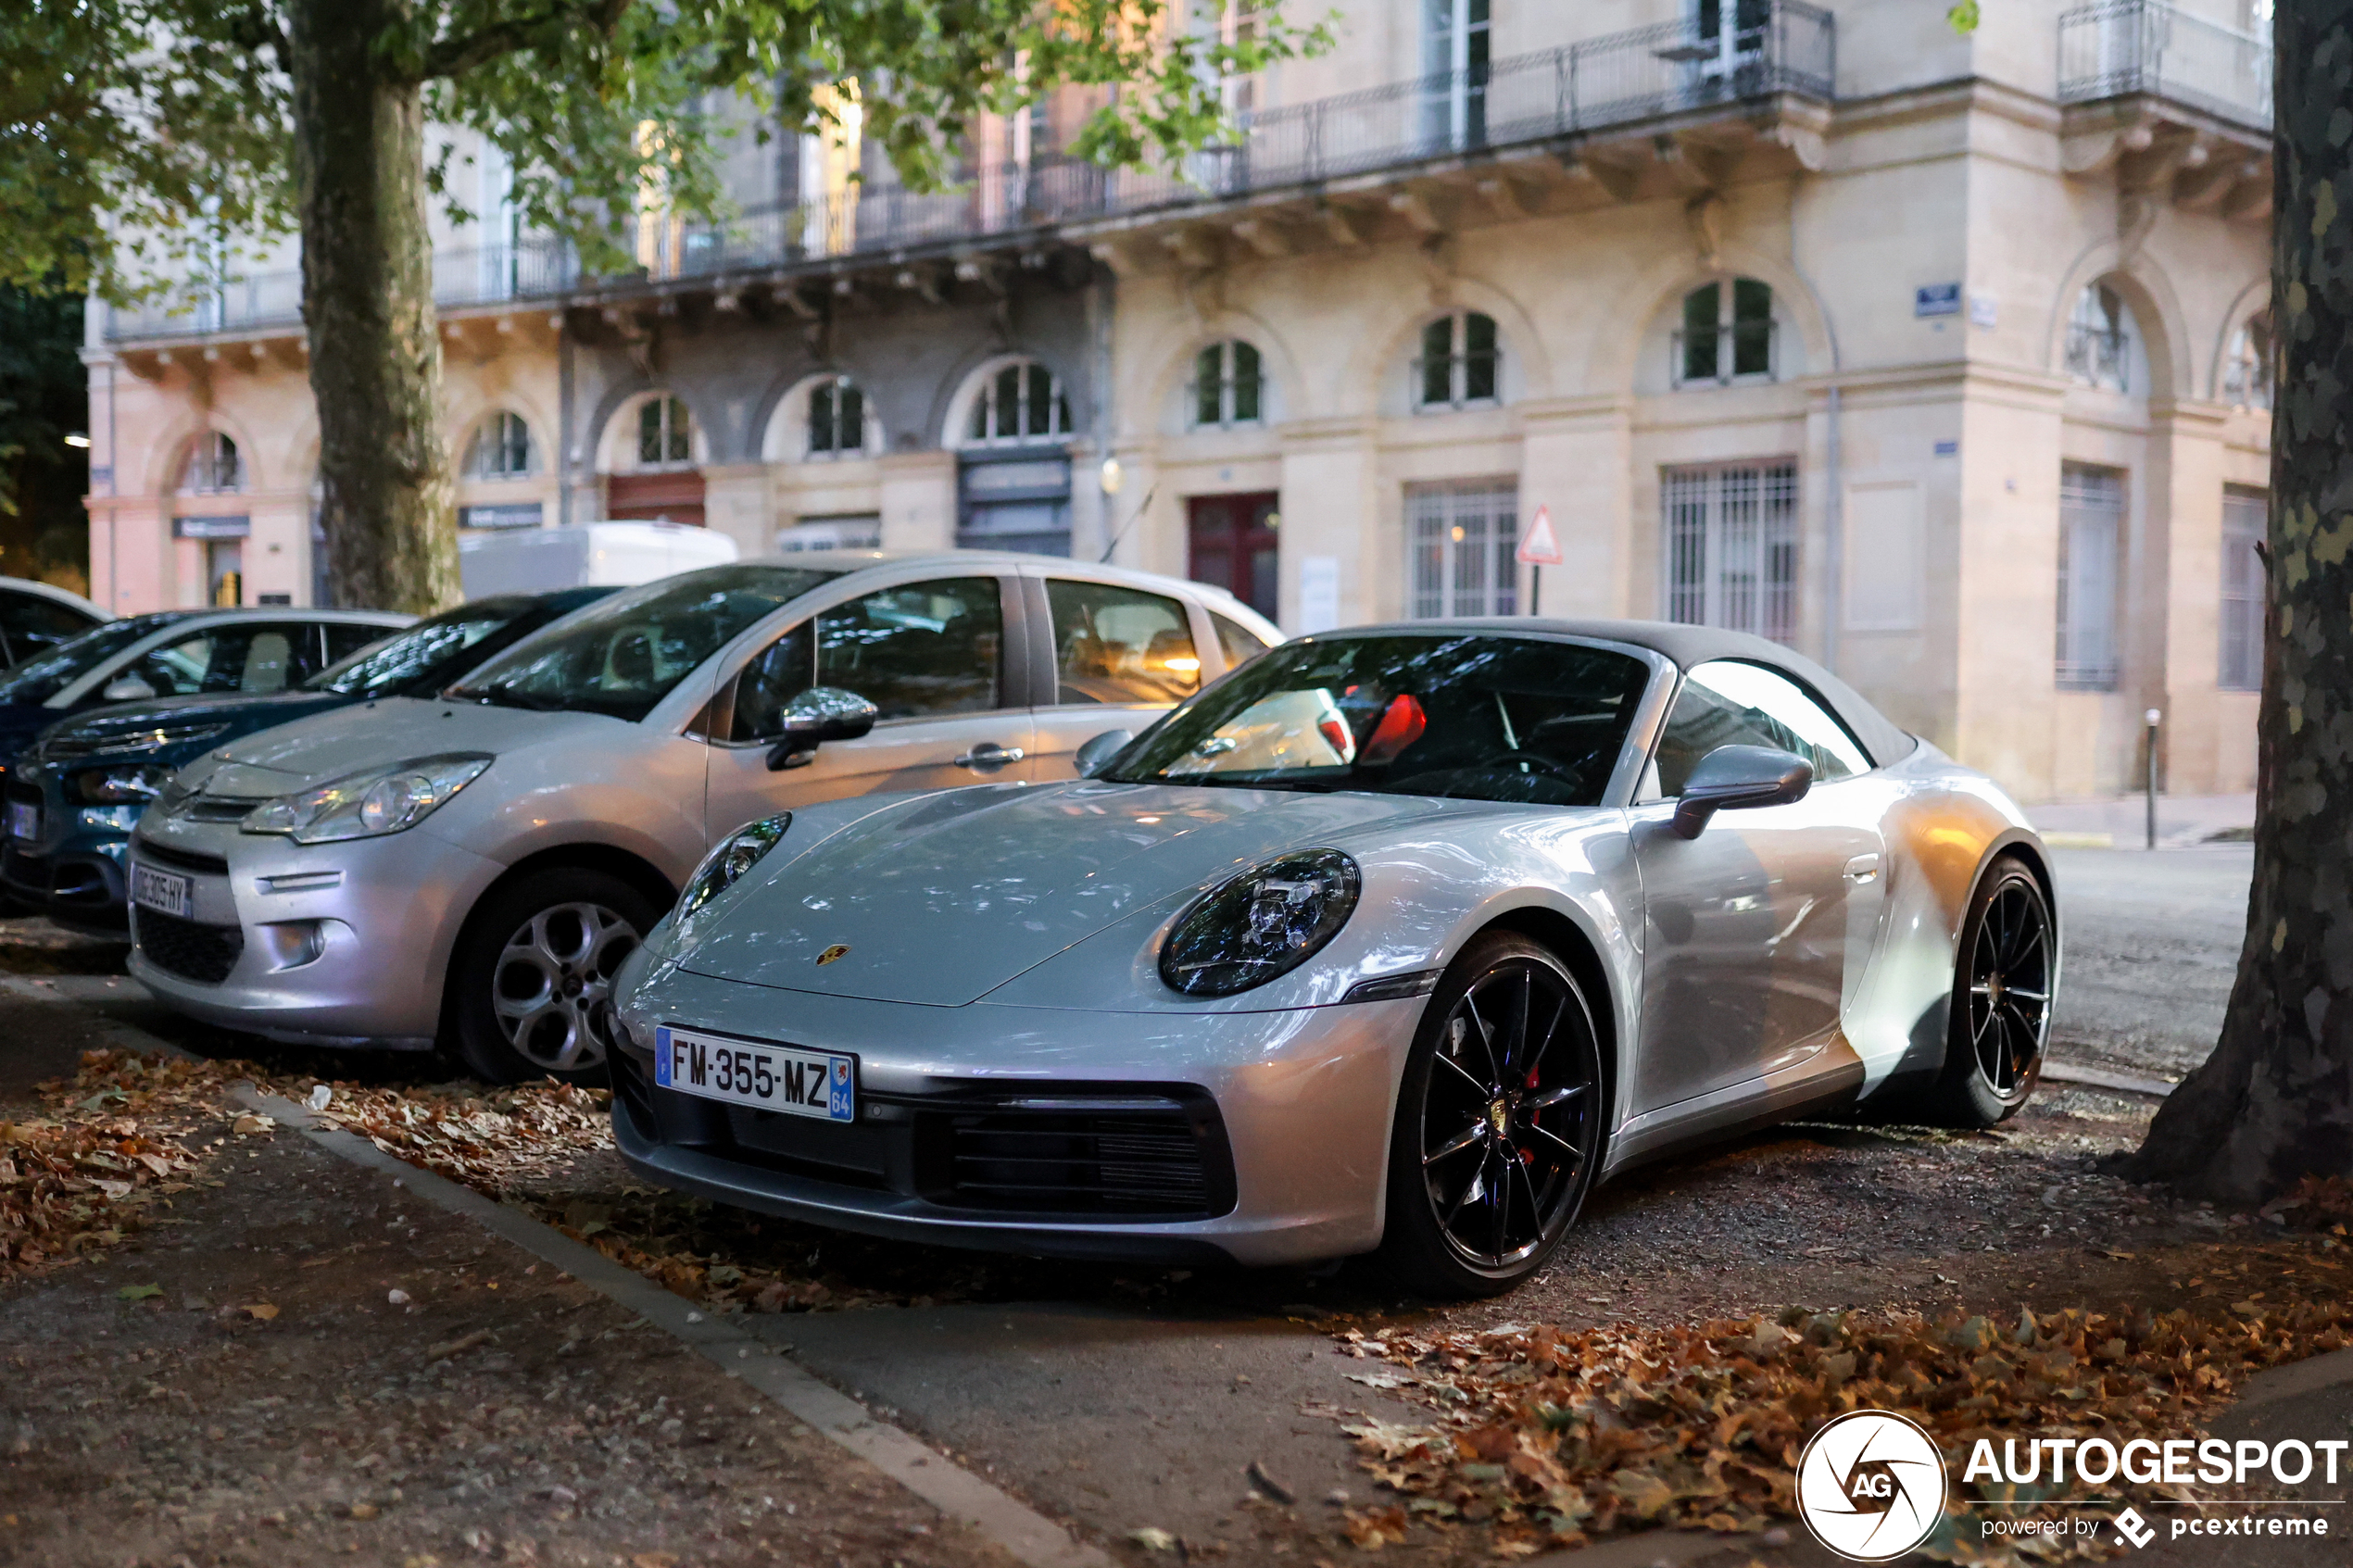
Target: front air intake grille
x,y
194,861
1130,1163
185,947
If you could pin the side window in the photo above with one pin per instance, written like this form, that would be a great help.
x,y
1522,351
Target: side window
x,y
1239,643
926,649
1120,645
231,658
1729,702
344,639
34,625
769,682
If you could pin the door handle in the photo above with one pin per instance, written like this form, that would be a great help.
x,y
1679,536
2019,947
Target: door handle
x,y
988,757
1863,869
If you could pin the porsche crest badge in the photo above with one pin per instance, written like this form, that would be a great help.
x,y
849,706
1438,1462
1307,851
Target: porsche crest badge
x,y
830,954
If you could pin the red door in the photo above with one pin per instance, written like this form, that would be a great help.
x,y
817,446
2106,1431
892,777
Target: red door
x,y
664,494
1233,545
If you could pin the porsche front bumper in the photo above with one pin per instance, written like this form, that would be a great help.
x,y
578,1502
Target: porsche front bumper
x,y
1163,1137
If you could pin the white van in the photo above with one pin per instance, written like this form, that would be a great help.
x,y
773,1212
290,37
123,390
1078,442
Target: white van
x,y
587,555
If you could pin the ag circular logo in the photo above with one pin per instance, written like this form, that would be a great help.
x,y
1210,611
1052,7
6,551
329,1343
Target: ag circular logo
x,y
1870,1486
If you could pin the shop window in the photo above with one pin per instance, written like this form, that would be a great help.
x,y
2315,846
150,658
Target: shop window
x,y
1731,548
2090,545
1465,539
1460,363
1727,334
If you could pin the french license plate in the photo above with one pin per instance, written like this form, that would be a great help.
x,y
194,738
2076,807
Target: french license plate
x,y
24,819
161,891
757,1073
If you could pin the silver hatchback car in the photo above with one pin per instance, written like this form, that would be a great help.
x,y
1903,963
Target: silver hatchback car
x,y
475,867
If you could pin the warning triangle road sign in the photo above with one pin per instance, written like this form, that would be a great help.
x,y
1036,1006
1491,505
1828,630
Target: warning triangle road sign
x,y
1538,547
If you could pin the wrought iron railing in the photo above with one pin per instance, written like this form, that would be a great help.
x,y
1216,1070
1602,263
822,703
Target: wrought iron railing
x,y
2122,46
1755,50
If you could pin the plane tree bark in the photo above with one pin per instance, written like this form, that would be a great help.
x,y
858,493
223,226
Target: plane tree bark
x,y
2274,1102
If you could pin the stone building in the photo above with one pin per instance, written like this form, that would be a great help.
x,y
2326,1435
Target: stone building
x,y
1942,359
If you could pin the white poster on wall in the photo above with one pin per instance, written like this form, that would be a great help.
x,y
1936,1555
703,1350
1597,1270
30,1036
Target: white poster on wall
x,y
1318,595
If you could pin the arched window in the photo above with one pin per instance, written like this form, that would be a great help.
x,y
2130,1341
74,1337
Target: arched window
x,y
1727,334
837,418
1022,402
1229,385
502,449
665,435
213,466
1460,362
2248,369
2099,339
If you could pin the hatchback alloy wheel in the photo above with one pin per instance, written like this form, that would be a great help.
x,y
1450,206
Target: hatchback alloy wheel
x,y
552,991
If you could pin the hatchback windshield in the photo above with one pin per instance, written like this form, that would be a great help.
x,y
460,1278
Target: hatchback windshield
x,y
1483,717
68,662
625,655
431,654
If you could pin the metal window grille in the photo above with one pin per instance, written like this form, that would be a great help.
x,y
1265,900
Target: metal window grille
x,y
503,449
1461,362
1731,548
2247,382
2099,346
1727,334
1229,384
2246,515
213,465
2091,535
1465,541
663,435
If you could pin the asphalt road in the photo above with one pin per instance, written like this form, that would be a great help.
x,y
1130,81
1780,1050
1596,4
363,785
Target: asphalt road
x,y
2151,944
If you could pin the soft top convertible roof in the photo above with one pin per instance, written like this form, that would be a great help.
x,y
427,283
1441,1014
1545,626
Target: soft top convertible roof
x,y
1689,647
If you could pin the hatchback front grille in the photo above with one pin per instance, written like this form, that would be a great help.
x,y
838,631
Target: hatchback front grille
x,y
180,859
186,948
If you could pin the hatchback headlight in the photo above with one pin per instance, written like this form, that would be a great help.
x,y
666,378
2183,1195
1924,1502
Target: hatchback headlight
x,y
126,784
734,855
1265,922
368,805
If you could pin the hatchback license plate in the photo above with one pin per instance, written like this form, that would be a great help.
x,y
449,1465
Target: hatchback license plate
x,y
160,891
756,1073
24,819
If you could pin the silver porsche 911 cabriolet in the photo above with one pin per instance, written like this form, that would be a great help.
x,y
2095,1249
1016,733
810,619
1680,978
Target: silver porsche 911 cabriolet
x,y
1397,938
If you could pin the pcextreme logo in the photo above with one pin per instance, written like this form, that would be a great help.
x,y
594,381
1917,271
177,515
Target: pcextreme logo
x,y
1870,1486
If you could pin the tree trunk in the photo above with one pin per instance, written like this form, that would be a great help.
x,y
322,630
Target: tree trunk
x,y
2274,1102
385,487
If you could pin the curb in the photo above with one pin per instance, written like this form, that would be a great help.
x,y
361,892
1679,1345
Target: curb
x,y
1028,1536
2101,1078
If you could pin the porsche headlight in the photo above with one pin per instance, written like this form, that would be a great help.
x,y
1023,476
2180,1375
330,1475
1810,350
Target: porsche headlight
x,y
734,855
368,805
1265,922
126,784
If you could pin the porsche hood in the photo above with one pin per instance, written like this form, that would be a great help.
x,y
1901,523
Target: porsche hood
x,y
946,897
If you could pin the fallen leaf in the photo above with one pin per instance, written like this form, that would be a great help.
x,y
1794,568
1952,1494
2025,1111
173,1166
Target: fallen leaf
x,y
140,1292
363,1510
1153,1538
254,1122
261,1311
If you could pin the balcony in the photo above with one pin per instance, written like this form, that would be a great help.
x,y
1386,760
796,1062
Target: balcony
x,y
1664,109
2121,48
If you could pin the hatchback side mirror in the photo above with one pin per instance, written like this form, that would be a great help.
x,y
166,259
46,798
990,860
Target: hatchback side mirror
x,y
1096,755
128,688
1733,777
816,716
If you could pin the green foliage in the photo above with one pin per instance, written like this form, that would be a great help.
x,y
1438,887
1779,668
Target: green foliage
x,y
1964,16
119,150
44,532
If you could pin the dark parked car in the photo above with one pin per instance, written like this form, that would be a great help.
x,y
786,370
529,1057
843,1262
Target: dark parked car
x,y
35,618
78,790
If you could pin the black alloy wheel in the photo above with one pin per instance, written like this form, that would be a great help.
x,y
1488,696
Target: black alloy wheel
x,y
2002,977
532,979
1499,1127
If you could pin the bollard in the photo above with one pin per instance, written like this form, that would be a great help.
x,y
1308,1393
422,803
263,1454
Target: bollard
x,y
2152,718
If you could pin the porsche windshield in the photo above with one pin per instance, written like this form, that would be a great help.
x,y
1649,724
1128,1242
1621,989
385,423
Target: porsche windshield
x,y
1482,718
625,655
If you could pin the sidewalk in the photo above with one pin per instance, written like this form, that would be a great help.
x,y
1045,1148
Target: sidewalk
x,y
2182,820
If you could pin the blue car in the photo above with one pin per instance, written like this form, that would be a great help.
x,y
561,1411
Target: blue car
x,y
73,797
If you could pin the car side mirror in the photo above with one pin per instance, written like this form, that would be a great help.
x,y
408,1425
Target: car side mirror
x,y
128,688
816,716
1733,777
1096,755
